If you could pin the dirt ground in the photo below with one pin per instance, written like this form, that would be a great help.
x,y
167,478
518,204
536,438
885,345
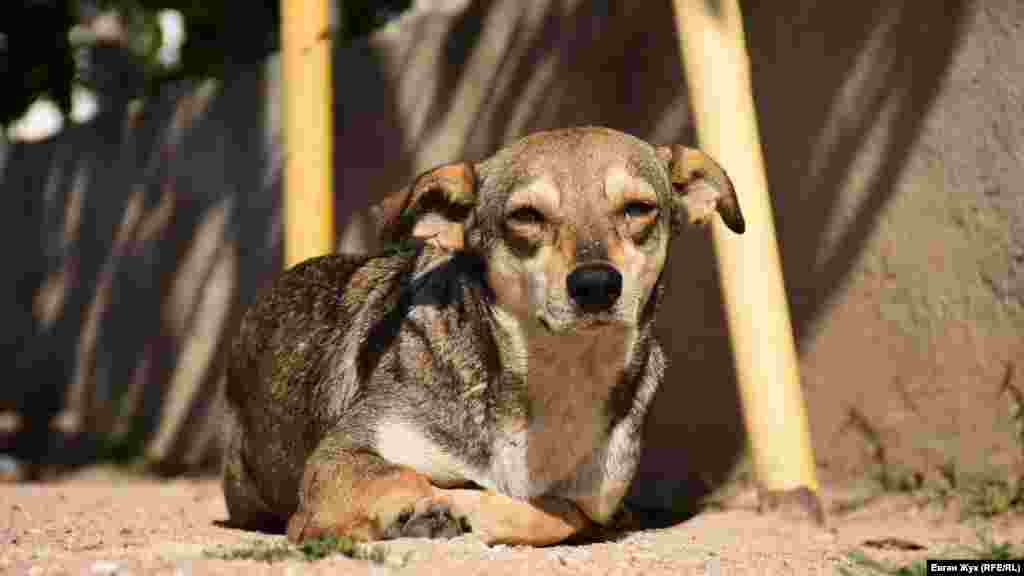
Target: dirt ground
x,y
101,522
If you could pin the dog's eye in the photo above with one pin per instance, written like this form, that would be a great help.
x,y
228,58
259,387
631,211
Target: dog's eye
x,y
526,215
638,209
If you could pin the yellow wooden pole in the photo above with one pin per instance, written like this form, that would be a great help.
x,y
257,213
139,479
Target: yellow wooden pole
x,y
308,125
714,55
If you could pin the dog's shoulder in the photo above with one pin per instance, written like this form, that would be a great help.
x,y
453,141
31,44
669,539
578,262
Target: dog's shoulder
x,y
344,295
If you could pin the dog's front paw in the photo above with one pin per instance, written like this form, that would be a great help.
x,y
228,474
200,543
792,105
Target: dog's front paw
x,y
430,518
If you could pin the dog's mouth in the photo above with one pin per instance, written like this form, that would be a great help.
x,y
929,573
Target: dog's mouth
x,y
589,323
598,322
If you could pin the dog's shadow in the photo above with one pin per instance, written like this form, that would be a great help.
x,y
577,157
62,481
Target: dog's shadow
x,y
275,528
587,538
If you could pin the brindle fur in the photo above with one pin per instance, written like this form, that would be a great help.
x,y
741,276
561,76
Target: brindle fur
x,y
452,384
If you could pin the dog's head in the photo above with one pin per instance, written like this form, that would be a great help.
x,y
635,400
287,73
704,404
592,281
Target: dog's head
x,y
573,224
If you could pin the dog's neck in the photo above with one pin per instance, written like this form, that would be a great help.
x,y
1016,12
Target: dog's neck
x,y
569,382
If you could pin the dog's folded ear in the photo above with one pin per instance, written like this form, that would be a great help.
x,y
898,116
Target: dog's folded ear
x,y
701,187
434,208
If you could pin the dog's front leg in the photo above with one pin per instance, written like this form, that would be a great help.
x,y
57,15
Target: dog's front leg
x,y
499,519
356,493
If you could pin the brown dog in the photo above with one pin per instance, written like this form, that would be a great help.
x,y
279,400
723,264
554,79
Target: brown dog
x,y
492,376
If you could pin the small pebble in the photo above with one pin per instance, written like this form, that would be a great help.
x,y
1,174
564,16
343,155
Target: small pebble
x,y
106,569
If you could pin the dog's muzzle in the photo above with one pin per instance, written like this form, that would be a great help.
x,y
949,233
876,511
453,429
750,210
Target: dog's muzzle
x,y
594,287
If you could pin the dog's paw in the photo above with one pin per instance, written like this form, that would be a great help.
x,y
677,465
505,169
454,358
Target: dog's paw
x,y
430,518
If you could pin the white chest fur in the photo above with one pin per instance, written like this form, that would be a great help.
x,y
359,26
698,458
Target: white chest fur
x,y
594,483
402,443
566,449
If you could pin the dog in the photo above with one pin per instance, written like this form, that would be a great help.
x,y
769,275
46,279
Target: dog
x,y
490,371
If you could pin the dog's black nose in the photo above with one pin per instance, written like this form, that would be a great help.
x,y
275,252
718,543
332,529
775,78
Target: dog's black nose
x,y
594,287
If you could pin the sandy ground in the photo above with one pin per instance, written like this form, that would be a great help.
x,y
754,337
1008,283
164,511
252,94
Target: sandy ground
x,y
104,523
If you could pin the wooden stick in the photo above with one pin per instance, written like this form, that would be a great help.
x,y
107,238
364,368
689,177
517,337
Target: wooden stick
x,y
714,55
307,91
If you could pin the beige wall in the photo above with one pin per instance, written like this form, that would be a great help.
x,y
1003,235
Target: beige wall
x,y
895,148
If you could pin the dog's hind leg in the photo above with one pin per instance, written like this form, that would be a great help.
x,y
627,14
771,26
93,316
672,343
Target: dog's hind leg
x,y
246,506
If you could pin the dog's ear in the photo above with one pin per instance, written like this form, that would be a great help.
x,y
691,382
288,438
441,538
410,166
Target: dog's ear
x,y
435,207
701,187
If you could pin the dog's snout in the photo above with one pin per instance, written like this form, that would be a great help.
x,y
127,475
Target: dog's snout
x,y
594,287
